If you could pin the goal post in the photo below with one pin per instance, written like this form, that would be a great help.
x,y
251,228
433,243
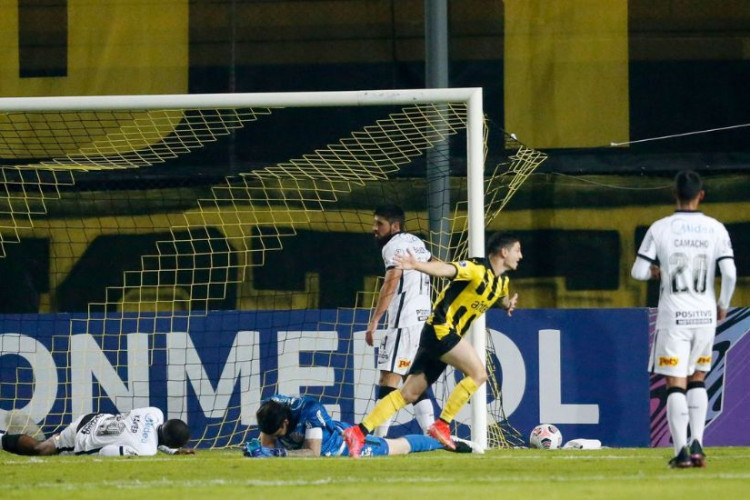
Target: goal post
x,y
195,251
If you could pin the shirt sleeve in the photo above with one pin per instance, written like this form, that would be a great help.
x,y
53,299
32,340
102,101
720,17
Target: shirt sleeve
x,y
646,256
466,270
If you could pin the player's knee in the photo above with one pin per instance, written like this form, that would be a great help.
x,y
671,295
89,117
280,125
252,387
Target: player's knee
x,y
410,395
480,377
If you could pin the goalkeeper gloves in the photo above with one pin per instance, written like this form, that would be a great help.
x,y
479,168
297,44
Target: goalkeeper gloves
x,y
254,449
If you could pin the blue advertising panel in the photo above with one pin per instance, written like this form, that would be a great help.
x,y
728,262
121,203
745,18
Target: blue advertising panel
x,y
584,370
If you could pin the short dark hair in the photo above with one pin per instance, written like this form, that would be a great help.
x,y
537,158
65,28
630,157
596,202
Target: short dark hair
x,y
392,213
687,185
175,433
500,240
271,415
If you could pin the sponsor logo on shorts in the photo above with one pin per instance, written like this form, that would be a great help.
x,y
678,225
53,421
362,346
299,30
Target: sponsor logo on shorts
x,y
704,360
686,318
668,361
403,363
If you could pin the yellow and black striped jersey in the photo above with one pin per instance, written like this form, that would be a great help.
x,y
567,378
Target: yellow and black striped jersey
x,y
473,290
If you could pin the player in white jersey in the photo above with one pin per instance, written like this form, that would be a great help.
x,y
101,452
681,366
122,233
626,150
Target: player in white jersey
x,y
405,296
683,251
141,431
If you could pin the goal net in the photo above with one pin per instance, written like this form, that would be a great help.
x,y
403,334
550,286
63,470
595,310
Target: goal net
x,y
200,253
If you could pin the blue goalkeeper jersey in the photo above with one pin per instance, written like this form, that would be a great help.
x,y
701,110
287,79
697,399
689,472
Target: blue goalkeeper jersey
x,y
308,413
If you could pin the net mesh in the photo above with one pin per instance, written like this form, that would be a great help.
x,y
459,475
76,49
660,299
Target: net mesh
x,y
203,293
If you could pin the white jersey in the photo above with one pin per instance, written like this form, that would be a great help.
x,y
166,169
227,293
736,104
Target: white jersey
x,y
131,433
688,246
411,304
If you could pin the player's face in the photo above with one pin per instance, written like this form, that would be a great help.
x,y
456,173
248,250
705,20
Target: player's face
x,y
382,229
512,256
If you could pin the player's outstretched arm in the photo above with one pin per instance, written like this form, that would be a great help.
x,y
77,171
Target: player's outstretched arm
x,y
433,268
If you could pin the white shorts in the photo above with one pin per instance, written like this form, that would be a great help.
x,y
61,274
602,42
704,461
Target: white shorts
x,y
680,352
68,441
398,348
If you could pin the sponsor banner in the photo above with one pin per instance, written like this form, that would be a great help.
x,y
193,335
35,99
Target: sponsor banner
x,y
726,383
583,370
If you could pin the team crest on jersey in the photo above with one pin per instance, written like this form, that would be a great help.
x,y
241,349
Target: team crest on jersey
x,y
462,263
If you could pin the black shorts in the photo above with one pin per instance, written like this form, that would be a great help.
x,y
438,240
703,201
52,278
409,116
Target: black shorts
x,y
427,359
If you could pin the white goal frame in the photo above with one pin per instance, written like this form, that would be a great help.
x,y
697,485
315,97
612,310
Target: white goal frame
x,y
472,97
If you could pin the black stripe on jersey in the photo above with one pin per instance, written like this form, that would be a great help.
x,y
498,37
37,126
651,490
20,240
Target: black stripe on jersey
x,y
725,257
653,261
395,351
440,310
89,452
401,301
460,312
468,323
496,285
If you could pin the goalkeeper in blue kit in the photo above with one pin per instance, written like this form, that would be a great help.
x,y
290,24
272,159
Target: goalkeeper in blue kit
x,y
301,426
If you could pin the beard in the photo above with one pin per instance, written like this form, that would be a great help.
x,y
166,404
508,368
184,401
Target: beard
x,y
382,241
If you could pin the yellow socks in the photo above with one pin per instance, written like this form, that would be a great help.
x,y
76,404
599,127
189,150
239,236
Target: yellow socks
x,y
458,398
384,410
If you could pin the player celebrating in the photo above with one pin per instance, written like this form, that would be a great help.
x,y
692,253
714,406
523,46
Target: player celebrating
x,y
140,431
684,249
301,426
405,295
476,285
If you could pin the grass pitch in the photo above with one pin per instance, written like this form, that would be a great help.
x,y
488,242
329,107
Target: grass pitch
x,y
607,473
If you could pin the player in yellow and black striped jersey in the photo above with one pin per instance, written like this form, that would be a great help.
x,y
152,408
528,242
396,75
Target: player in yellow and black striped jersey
x,y
475,286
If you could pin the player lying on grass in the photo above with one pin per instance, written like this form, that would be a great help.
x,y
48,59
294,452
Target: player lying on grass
x,y
141,431
301,426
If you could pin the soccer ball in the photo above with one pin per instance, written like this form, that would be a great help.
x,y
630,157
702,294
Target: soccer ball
x,y
546,437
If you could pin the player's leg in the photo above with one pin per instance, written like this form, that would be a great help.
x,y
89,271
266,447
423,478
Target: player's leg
x,y
385,387
390,379
464,358
21,444
697,397
413,387
424,411
385,408
669,358
413,443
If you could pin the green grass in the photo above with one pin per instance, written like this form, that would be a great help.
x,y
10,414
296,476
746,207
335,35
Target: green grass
x,y
508,474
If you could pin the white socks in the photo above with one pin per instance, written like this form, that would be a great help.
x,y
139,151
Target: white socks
x,y
425,414
677,416
697,401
